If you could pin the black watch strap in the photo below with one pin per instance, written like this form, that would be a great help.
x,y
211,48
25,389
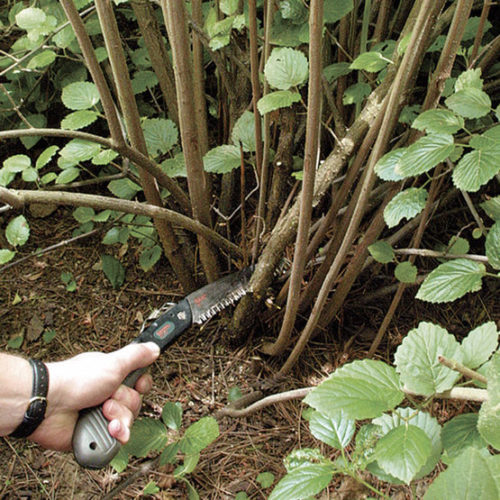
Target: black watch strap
x,y
35,412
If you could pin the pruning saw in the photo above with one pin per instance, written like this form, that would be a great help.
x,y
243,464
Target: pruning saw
x,y
93,446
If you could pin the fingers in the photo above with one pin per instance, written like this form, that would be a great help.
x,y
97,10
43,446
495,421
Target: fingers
x,y
121,418
144,384
135,356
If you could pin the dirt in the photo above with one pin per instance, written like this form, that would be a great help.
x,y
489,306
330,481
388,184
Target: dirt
x,y
198,371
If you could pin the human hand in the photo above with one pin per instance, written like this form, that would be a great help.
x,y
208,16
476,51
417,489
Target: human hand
x,y
91,379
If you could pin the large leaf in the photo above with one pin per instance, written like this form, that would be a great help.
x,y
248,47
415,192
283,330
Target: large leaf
x,y
423,421
17,231
79,119
478,346
334,10
469,79
387,168
475,169
176,166
492,207
78,150
489,415
172,415
124,188
286,68
80,95
467,478
452,280
199,435
222,159
425,154
492,245
438,121
416,359
337,431
460,433
146,435
160,135
470,102
303,482
277,100
17,163
362,389
403,451
113,270
405,205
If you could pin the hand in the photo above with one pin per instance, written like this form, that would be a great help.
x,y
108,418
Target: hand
x,y
91,379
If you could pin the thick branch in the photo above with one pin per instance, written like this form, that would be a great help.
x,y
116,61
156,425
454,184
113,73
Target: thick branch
x,y
19,198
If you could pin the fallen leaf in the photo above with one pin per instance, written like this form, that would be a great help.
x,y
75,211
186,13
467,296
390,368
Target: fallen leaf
x,y
35,328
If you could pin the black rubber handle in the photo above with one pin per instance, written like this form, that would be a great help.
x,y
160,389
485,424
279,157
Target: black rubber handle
x,y
93,446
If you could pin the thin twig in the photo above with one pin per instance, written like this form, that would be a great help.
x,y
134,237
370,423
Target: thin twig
x,y
464,370
432,253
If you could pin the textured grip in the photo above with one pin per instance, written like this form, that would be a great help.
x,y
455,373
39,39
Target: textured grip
x,y
93,446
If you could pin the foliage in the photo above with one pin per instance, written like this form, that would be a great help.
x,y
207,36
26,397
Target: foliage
x,y
166,438
403,444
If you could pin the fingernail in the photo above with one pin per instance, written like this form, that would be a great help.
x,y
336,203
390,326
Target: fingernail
x,y
115,427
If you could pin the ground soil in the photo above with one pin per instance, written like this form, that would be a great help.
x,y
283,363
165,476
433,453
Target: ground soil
x,y
198,371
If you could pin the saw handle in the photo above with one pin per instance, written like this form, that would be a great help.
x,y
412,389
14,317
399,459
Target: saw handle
x,y
93,446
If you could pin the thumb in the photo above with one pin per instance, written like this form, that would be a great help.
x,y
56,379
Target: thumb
x,y
135,356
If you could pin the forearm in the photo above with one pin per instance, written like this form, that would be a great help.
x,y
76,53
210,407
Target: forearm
x,y
16,380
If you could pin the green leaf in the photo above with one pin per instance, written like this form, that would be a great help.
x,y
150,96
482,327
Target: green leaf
x,y
362,389
334,10
452,280
6,255
372,62
42,59
6,177
146,435
458,246
116,235
492,246
17,231
229,7
416,359
49,336
46,156
30,18
17,163
480,344
222,159
160,134
29,175
405,205
80,95
172,415
104,157
244,131
303,456
151,488
403,451
459,433
277,100
68,175
175,167
124,188
381,251
113,270
84,214
189,465
303,482
469,103
169,454
265,479
469,79
78,150
16,342
143,80
199,435
492,207
69,281
234,394
336,70
79,119
356,93
438,121
149,257
489,415
406,272
387,168
286,68
461,481
423,421
475,169
337,431
425,154
120,461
